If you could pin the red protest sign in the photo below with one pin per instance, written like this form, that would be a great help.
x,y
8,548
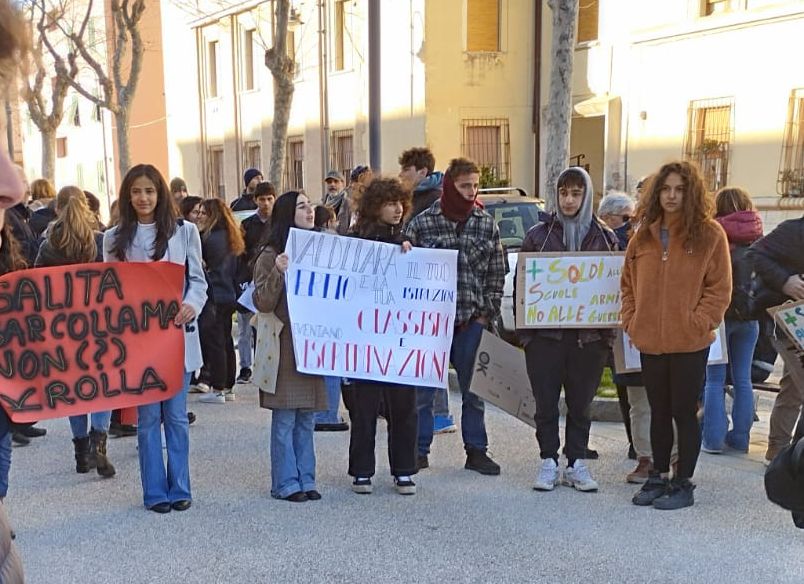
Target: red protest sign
x,y
89,337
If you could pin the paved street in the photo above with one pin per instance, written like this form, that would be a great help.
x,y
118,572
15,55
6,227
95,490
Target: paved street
x,y
460,527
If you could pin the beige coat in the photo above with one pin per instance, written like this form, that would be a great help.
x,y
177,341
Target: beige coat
x,y
294,390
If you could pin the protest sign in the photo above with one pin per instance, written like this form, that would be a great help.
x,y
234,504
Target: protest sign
x,y
89,337
363,309
627,359
790,318
568,290
501,378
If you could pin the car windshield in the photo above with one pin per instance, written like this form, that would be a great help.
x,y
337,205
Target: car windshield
x,y
513,219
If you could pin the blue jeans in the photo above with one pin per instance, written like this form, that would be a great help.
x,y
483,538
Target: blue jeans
x,y
5,462
473,426
158,484
441,402
292,452
99,421
741,338
330,415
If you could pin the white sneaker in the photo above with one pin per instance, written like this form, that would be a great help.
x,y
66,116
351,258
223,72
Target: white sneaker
x,y
547,478
579,477
215,397
229,394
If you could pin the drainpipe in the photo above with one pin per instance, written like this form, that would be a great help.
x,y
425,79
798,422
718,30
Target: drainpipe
x,y
323,82
537,96
375,87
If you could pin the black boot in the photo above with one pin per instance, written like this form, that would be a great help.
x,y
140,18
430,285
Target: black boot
x,y
98,451
479,461
678,496
81,454
655,487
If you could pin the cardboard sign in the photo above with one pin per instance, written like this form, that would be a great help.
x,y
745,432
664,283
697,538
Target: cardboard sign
x,y
568,290
627,359
500,377
89,337
790,318
363,309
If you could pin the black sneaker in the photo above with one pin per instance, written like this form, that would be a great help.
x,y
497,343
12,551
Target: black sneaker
x,y
405,486
20,439
245,375
422,462
362,486
678,496
651,490
478,460
32,431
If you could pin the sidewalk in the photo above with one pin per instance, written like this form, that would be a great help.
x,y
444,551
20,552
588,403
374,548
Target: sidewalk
x,y
460,527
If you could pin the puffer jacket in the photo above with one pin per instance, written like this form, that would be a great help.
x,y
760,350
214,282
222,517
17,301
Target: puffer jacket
x,y
741,227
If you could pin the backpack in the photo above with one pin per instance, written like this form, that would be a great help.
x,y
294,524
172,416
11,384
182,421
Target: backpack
x,y
745,285
784,479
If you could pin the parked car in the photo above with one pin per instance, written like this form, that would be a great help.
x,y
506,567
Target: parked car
x,y
515,212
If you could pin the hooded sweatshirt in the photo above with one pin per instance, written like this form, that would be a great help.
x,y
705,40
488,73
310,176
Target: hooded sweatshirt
x,y
426,193
576,227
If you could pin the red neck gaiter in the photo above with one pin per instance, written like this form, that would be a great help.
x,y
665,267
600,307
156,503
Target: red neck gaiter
x,y
453,205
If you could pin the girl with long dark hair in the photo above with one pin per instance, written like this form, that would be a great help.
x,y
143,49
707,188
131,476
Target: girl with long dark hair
x,y
148,231
293,397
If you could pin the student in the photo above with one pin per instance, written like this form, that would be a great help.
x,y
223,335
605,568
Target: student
x,y
676,286
221,246
743,225
456,222
148,231
382,208
72,239
245,202
294,396
568,358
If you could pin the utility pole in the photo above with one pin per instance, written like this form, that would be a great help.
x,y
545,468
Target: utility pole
x,y
375,91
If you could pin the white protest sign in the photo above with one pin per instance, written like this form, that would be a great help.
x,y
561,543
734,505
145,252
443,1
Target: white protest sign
x,y
790,317
569,290
363,309
627,359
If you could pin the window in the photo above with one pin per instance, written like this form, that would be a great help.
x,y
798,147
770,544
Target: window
x,y
341,152
482,26
708,139
252,153
61,147
486,142
247,56
711,7
294,165
212,69
339,27
791,167
216,180
587,20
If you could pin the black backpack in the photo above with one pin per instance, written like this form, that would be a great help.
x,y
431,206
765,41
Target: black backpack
x,y
784,478
744,286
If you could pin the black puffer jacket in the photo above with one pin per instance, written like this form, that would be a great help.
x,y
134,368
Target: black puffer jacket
x,y
776,257
221,266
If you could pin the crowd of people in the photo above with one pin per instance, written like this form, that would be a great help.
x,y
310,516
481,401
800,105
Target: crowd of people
x,y
692,262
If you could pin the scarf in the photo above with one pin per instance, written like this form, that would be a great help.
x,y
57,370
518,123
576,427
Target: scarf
x,y
453,205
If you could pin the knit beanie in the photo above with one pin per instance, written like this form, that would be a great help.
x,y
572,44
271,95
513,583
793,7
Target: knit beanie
x,y
250,174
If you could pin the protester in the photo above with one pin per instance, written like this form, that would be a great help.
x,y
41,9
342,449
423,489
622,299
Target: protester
x,y
779,263
456,222
743,226
292,396
190,208
416,171
325,219
221,245
148,231
360,177
178,188
93,202
568,358
73,238
676,286
245,202
383,206
336,196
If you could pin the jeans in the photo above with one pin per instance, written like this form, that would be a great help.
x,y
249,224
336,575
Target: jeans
x,y
5,462
473,426
99,421
441,402
158,484
401,417
330,415
741,338
292,452
673,382
553,364
245,339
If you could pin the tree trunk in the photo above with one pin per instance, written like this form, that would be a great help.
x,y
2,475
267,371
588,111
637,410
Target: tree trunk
x,y
49,155
283,98
558,114
123,152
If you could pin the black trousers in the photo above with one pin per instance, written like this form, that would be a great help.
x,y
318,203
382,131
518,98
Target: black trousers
x,y
673,382
553,364
217,347
403,426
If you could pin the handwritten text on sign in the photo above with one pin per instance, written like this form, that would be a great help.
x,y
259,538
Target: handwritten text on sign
x,y
89,337
791,317
572,290
363,309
